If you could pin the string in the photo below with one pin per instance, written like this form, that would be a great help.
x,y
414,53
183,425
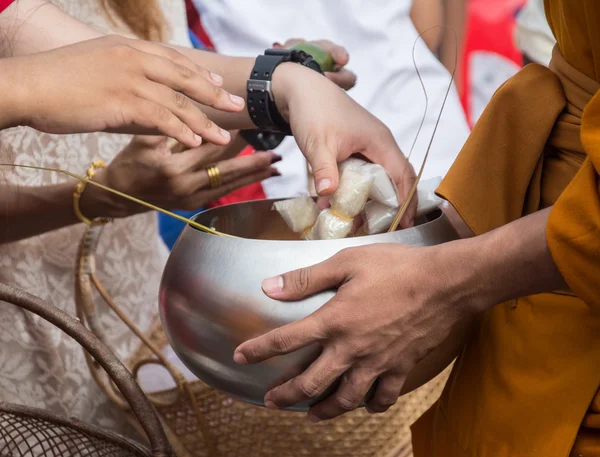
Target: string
x,y
411,193
123,195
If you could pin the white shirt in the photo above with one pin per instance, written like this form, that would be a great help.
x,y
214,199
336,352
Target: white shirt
x,y
379,36
533,34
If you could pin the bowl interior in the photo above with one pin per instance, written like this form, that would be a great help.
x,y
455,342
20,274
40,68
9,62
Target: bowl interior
x,y
259,221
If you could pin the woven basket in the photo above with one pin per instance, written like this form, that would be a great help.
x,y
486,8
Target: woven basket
x,y
30,432
202,422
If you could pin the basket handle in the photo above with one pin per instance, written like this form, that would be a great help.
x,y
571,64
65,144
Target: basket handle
x,y
140,405
85,282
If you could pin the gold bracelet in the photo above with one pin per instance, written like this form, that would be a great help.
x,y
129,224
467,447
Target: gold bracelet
x,y
81,185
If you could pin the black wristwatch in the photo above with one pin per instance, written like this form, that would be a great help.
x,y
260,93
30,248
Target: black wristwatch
x,y
261,106
262,141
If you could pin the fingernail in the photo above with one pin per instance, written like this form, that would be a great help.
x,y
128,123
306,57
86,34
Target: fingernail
x,y
225,134
275,173
271,405
323,185
314,419
273,285
240,358
239,101
198,139
216,78
275,159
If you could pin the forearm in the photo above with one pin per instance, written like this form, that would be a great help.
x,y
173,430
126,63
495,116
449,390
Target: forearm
x,y
31,26
31,211
512,261
451,49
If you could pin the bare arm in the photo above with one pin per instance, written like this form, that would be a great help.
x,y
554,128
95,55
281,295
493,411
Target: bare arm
x,y
455,17
36,210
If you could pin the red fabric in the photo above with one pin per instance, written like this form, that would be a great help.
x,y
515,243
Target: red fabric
x,y
490,28
252,191
195,25
244,194
5,4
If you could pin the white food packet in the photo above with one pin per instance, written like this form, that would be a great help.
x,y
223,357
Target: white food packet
x,y
383,189
299,213
352,193
378,217
330,227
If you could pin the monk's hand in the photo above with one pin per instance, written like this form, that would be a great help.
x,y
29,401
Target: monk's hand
x,y
394,305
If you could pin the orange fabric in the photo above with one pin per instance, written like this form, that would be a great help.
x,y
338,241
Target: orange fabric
x,y
526,379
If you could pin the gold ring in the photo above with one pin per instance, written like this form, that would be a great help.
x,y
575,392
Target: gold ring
x,y
214,177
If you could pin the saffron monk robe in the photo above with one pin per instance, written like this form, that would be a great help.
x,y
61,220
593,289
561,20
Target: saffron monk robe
x,y
526,184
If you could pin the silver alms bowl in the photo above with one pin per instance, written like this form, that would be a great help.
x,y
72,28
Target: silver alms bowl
x,y
211,298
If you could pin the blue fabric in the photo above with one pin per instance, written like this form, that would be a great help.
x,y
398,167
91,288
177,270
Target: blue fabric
x,y
195,40
170,228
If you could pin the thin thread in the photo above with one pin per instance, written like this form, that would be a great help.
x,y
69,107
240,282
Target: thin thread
x,y
124,195
411,193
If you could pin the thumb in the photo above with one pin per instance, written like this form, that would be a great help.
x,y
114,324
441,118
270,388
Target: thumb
x,y
304,282
325,170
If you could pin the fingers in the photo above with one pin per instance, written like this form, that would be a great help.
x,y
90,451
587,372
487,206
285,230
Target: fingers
x,y
322,159
191,83
387,393
354,386
154,117
190,167
339,53
305,282
385,151
343,78
235,146
183,107
282,340
203,197
176,57
309,385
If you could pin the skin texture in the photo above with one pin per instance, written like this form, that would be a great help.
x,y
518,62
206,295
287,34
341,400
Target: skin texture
x,y
378,326
342,128
148,169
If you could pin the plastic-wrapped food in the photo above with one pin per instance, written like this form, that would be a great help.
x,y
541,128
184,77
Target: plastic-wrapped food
x,y
299,213
330,226
352,193
378,217
363,187
383,189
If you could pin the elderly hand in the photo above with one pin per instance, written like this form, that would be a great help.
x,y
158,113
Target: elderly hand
x,y
394,305
342,76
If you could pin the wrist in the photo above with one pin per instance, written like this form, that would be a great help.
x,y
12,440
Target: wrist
x,y
464,269
512,261
14,93
96,202
287,81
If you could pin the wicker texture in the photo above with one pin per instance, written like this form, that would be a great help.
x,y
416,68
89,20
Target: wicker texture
x,y
237,429
26,432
